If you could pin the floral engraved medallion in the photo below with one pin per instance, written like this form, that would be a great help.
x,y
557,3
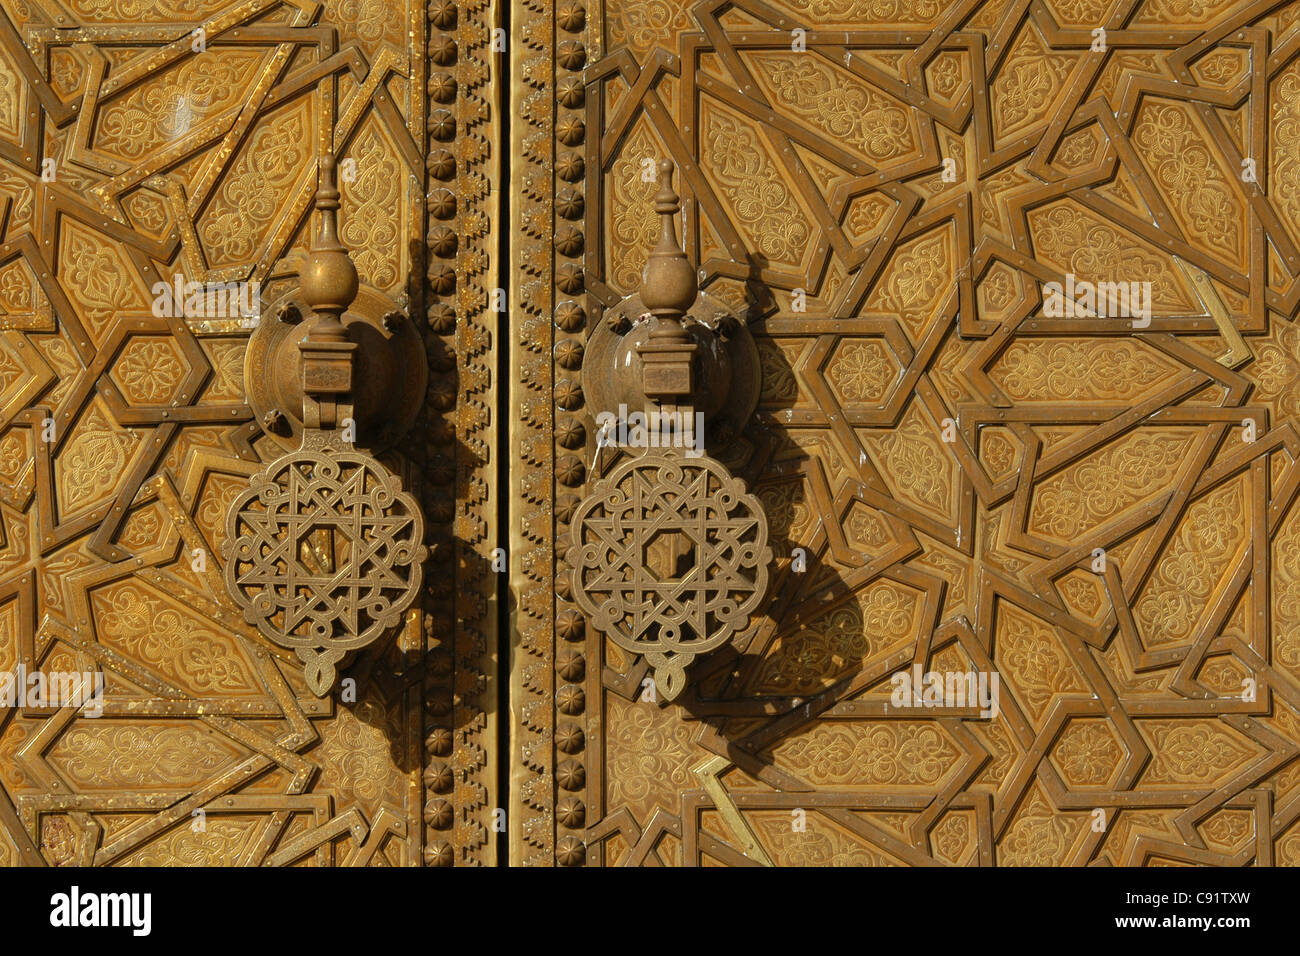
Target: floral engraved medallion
x,y
670,558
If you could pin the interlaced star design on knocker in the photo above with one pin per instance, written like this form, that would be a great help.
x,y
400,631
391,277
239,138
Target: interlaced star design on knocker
x,y
670,558
323,554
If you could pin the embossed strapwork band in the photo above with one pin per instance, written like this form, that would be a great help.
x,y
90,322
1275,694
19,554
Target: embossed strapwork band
x,y
1098,506
324,549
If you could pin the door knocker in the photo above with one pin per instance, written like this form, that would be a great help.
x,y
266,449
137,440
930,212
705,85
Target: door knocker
x,y
324,550
669,551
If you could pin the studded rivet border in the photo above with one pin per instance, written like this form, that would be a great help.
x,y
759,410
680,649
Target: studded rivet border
x,y
460,271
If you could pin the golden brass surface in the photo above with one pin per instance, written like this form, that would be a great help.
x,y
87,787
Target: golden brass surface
x,y
877,193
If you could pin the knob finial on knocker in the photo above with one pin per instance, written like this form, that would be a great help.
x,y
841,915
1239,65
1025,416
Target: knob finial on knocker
x,y
338,348
328,279
668,283
668,290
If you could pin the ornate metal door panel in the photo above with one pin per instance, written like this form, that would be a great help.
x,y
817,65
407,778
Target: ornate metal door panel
x,y
142,147
1099,510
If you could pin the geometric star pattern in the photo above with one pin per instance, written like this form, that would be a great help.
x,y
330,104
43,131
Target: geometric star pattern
x,y
133,156
1104,515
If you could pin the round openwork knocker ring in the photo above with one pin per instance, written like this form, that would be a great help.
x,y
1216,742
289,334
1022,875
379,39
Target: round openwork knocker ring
x,y
323,553
670,558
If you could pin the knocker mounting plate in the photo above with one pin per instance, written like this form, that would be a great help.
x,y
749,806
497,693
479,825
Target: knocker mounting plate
x,y
390,377
727,370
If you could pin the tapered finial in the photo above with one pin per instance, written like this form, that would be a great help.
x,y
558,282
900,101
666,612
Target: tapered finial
x,y
328,281
667,202
327,204
668,285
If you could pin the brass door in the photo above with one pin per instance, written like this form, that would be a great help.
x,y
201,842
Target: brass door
x,y
957,476
1100,510
148,145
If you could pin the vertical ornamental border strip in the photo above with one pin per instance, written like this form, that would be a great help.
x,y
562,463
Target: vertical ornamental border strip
x,y
577,651
460,785
535,319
